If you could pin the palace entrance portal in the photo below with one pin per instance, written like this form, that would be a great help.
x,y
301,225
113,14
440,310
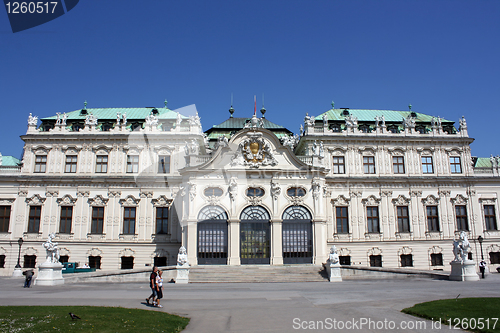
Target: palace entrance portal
x,y
212,236
255,236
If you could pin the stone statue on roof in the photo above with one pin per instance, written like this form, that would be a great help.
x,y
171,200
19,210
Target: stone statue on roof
x,y
91,120
195,120
308,120
124,118
463,123
118,118
409,122
58,118
351,121
32,120
325,119
64,118
178,120
151,120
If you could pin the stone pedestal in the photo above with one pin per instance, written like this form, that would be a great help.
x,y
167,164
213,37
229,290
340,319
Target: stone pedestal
x,y
463,271
182,274
333,271
18,273
49,274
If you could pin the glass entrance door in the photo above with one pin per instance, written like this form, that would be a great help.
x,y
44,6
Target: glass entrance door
x,y
255,242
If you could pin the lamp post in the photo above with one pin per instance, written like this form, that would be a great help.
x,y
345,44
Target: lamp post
x,y
20,242
480,240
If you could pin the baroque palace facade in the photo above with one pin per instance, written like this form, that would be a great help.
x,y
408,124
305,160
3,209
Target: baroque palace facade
x,y
125,188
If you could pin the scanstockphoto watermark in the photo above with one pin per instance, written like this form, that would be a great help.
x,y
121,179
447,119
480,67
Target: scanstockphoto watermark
x,y
362,324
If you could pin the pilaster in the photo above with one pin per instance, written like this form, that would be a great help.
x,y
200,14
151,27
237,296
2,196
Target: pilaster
x,y
276,242
234,242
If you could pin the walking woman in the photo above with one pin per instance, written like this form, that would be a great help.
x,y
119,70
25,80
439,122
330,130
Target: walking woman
x,y
159,288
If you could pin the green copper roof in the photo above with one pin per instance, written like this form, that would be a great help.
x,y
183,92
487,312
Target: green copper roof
x,y
110,113
483,162
239,123
10,161
369,115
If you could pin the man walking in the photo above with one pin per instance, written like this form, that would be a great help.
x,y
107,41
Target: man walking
x,y
152,285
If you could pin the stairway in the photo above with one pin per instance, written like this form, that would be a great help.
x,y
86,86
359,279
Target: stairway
x,y
256,273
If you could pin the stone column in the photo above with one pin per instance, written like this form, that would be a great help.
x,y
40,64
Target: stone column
x,y
417,225
319,242
191,233
447,214
276,242
234,242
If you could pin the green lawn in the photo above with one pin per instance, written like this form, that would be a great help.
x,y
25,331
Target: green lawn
x,y
473,314
93,319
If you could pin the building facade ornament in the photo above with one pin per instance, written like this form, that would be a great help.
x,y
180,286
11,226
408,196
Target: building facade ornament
x,y
35,200
401,200
83,194
459,200
146,194
66,200
130,201
371,201
275,189
32,120
114,194
98,201
341,201
254,152
430,200
162,201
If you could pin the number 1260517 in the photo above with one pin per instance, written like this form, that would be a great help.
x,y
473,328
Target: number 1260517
x,y
472,323
39,7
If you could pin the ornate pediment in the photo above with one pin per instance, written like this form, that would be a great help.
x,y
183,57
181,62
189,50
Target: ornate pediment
x,y
98,201
375,251
341,201
430,200
35,200
405,250
6,201
128,252
162,201
459,200
66,200
130,201
488,201
401,200
254,152
371,201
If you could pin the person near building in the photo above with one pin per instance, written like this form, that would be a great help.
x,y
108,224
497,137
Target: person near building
x,y
159,288
29,276
482,268
152,285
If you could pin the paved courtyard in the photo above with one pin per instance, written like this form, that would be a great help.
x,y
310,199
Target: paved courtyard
x,y
268,307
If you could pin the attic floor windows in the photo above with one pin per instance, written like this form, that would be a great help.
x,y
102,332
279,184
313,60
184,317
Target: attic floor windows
x,y
398,163
40,163
132,163
455,165
70,164
369,164
101,164
427,166
338,164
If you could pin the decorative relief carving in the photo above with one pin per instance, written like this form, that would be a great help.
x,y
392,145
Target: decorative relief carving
x,y
66,200
341,201
114,194
401,200
51,193
192,190
430,200
444,193
371,201
254,152
6,201
162,201
355,193
414,193
254,201
405,250
385,193
146,194
233,188
275,190
315,188
130,201
35,200
488,201
83,194
375,251
459,200
98,201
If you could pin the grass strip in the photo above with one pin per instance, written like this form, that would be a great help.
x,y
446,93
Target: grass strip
x,y
472,314
93,319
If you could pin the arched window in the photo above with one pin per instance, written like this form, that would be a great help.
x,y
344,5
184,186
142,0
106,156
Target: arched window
x,y
296,192
254,213
212,213
213,192
296,213
255,192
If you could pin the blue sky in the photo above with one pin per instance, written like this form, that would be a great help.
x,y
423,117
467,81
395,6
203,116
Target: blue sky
x,y
440,56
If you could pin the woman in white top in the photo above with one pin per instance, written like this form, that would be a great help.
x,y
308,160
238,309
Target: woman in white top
x,y
159,288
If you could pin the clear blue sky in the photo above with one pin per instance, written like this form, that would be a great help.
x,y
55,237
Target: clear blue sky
x,y
442,56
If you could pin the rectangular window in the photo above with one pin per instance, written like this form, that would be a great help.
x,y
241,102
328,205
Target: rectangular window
x,y
160,261
129,220
34,219
490,218
66,217
455,165
4,218
375,261
127,262
40,163
342,220
2,261
70,164
162,220
345,260
101,164
461,216
432,218
406,260
95,262
369,164
403,219
398,164
436,259
132,163
63,259
338,165
29,261
164,164
97,220
372,219
495,258
427,166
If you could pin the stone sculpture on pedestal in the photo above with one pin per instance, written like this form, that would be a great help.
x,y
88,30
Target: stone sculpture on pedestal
x,y
182,266
50,272
333,265
462,269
